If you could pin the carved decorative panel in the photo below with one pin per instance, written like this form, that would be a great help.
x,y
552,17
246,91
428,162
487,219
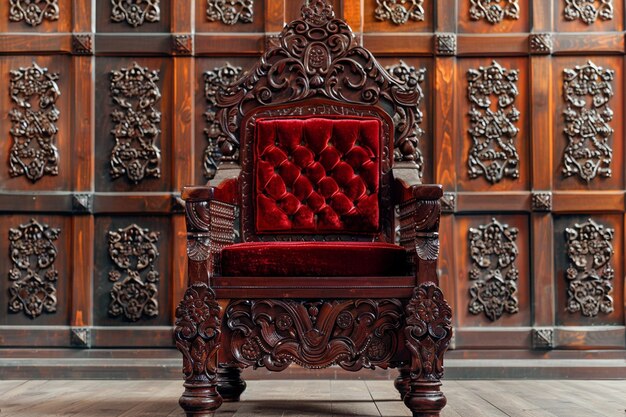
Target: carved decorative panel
x,y
494,276
33,276
230,12
399,11
137,123
135,12
493,128
413,79
214,80
588,11
590,274
33,12
587,90
34,117
494,11
133,250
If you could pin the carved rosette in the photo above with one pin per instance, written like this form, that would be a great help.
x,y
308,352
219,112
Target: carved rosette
x,y
413,79
427,332
33,12
588,11
493,129
197,332
494,11
135,92
353,334
589,275
135,12
215,80
493,274
317,56
33,126
587,90
445,44
399,11
32,277
230,12
133,250
540,43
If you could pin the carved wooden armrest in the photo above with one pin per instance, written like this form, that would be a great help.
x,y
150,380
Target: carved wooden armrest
x,y
210,218
419,211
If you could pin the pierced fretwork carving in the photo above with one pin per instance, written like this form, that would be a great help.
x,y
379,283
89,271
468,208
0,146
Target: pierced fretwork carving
x,y
230,12
135,12
590,274
493,274
133,250
588,11
354,334
493,130
137,123
494,11
214,80
399,11
413,79
32,277
34,153
316,57
33,12
587,90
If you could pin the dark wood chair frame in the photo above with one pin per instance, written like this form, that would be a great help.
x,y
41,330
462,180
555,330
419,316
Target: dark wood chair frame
x,y
315,67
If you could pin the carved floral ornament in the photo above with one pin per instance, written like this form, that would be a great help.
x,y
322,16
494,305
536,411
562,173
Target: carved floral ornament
x,y
493,124
33,12
34,93
133,250
587,90
230,12
399,11
33,277
135,92
135,12
589,275
588,11
494,11
317,56
493,275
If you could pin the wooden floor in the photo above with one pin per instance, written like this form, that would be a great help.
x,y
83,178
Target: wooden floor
x,y
283,398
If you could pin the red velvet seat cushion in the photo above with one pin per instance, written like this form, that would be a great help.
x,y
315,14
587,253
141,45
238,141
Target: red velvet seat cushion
x,y
317,175
279,259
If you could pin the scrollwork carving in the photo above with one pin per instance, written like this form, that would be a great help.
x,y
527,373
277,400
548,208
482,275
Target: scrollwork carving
x,y
135,12
230,12
587,90
32,276
493,130
494,11
587,11
399,11
317,56
137,123
133,250
34,152
351,333
33,12
428,331
494,276
589,275
215,80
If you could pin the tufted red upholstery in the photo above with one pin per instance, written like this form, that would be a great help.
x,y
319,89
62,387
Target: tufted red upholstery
x,y
317,174
299,259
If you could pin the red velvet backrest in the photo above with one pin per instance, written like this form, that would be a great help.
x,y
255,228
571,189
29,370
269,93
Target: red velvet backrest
x,y
317,175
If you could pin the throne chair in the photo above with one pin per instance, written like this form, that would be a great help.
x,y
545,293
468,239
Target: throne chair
x,y
318,244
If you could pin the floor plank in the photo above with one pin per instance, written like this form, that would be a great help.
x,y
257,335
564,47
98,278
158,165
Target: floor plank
x,y
315,398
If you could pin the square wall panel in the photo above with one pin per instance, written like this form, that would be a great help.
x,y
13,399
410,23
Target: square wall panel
x,y
398,16
501,16
588,16
119,16
36,16
232,16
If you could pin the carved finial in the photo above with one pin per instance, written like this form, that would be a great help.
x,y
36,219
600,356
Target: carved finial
x,y
317,12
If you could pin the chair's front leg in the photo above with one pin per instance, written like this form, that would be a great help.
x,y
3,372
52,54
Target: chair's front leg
x,y
230,385
197,333
427,334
